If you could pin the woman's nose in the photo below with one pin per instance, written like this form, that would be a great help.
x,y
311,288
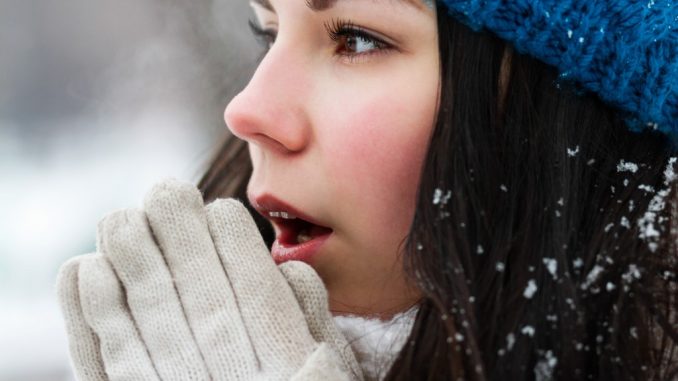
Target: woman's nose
x,y
272,111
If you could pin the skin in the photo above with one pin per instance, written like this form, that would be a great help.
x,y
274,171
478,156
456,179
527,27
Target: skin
x,y
340,132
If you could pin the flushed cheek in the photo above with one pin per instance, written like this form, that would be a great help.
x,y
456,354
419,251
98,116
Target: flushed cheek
x,y
375,153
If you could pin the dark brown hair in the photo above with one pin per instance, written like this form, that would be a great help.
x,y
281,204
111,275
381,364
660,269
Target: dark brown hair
x,y
543,262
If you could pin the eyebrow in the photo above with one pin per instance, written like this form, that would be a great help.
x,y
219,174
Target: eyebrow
x,y
323,5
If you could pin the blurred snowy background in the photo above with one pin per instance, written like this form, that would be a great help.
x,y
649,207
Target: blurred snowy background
x,y
98,101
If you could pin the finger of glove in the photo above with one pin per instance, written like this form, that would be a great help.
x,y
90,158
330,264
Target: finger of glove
x,y
311,294
177,216
269,309
128,243
103,305
82,341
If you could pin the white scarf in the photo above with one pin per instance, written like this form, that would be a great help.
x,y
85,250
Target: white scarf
x,y
376,343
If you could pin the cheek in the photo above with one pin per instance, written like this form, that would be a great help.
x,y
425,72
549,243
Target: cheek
x,y
376,154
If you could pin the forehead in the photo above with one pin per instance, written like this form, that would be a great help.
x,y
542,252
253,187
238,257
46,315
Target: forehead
x,y
322,5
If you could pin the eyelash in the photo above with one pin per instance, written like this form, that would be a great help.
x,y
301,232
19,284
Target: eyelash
x,y
338,30
265,37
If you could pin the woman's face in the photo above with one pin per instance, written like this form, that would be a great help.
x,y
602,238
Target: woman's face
x,y
338,116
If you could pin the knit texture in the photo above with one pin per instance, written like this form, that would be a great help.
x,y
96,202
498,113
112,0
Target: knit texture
x,y
376,342
184,291
625,51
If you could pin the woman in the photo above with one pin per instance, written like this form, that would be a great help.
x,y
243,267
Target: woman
x,y
504,170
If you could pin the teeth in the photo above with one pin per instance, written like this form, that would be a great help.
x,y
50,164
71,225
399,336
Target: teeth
x,y
303,236
285,215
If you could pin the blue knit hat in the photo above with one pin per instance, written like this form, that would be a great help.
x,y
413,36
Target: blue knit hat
x,y
626,51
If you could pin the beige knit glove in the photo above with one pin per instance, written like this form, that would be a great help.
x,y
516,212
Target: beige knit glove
x,y
180,291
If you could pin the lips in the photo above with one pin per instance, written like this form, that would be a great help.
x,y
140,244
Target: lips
x,y
299,237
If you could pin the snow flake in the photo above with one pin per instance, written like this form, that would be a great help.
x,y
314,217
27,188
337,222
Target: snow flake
x,y
500,266
624,166
551,266
561,202
543,370
459,337
592,276
510,340
646,188
569,33
648,231
570,302
530,289
577,263
669,174
657,203
608,227
479,250
634,332
581,40
437,196
440,197
503,188
591,162
610,286
573,152
633,272
528,330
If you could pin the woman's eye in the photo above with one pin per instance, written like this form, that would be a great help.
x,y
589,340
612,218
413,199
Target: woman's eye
x,y
358,44
353,40
266,37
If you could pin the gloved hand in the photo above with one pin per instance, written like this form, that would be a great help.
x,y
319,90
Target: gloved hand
x,y
183,292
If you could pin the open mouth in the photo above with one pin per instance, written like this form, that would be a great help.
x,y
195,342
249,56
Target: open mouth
x,y
295,230
298,236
